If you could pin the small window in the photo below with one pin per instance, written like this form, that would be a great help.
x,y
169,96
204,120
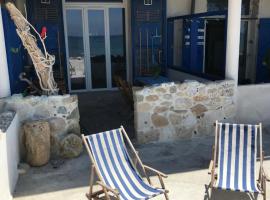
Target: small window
x,y
45,1
147,2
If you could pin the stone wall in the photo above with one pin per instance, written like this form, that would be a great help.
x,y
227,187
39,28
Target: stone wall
x,y
182,110
61,112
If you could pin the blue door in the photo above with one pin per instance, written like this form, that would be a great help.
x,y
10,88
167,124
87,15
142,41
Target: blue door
x,y
148,29
263,60
193,48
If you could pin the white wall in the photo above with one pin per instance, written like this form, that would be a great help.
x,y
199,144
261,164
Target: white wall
x,y
264,9
178,7
253,104
9,160
201,6
183,7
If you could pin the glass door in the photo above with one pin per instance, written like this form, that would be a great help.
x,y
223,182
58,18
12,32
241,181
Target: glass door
x,y
76,54
117,44
96,44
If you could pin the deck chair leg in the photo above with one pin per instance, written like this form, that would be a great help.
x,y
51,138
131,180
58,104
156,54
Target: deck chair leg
x,y
91,182
106,194
264,188
166,196
163,187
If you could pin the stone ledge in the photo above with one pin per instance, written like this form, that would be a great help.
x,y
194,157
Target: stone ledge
x,y
182,110
61,112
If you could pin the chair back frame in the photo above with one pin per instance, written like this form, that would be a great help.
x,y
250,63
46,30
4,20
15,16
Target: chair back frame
x,y
95,169
216,151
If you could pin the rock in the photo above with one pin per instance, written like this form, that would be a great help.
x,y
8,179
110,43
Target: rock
x,y
75,114
182,103
2,104
56,138
167,96
200,98
150,136
57,124
62,110
182,110
152,98
160,90
58,132
173,89
183,132
166,103
5,120
41,112
139,98
213,92
175,119
199,109
160,109
37,142
143,107
73,127
71,146
230,111
23,168
143,122
159,120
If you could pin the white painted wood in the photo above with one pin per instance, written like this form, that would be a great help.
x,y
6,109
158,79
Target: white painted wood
x,y
233,39
9,159
4,76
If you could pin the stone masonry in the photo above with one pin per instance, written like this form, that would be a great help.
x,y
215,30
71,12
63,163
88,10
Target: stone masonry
x,y
182,110
62,115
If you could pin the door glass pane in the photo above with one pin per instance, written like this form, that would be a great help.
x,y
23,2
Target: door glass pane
x,y
75,49
97,48
117,41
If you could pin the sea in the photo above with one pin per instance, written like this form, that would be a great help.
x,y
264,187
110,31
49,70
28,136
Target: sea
x,y
97,46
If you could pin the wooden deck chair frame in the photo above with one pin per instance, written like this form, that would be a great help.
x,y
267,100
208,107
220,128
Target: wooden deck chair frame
x,y
108,191
263,177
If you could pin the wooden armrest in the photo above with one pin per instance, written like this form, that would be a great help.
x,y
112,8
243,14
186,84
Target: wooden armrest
x,y
114,191
155,171
210,167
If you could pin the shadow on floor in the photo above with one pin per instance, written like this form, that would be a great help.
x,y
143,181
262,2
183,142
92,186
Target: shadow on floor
x,y
227,195
186,163
105,110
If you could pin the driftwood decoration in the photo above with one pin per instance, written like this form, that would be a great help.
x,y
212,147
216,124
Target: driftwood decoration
x,y
43,61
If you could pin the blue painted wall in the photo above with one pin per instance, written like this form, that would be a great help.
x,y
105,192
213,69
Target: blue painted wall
x,y
263,71
15,53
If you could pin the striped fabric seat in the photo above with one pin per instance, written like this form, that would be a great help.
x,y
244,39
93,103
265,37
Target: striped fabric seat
x,y
237,158
116,168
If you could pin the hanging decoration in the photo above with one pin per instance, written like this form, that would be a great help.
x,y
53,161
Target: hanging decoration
x,y
42,60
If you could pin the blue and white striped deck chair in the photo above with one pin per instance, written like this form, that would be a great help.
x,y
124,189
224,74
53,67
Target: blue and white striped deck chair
x,y
115,170
235,155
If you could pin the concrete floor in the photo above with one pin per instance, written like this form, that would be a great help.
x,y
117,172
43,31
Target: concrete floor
x,y
185,162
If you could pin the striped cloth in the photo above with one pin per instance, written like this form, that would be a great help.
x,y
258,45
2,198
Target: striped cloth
x,y
237,157
116,168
